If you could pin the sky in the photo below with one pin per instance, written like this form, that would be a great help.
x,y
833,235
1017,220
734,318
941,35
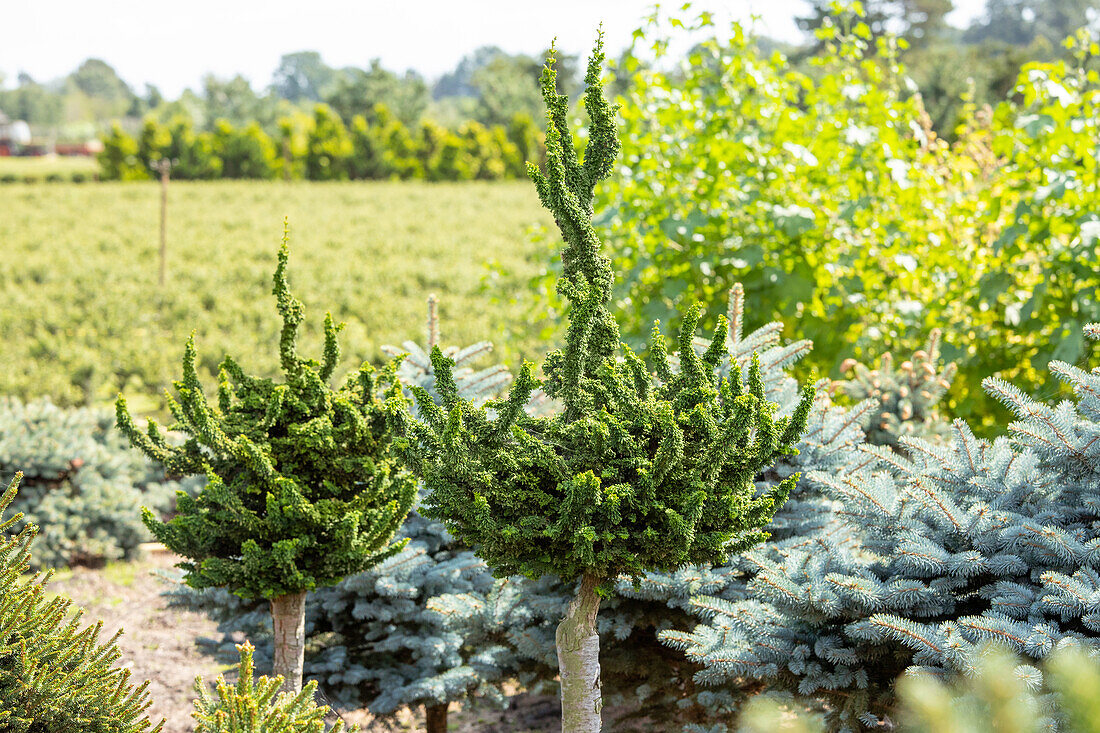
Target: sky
x,y
173,44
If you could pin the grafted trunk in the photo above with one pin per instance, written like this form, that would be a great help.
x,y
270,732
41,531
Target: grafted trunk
x,y
435,718
288,616
578,645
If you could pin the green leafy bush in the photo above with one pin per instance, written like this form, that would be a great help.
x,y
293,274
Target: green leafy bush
x,y
328,146
818,187
245,152
119,160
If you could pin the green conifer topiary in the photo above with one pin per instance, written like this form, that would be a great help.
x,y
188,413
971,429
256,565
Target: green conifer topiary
x,y
372,642
635,474
303,488
56,677
256,706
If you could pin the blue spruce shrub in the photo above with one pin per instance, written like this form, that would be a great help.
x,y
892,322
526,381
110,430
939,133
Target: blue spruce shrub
x,y
82,485
934,555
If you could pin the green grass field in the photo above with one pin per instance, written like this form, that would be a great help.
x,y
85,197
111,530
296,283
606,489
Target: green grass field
x,y
40,167
83,316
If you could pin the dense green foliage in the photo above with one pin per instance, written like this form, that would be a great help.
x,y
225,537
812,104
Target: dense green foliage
x,y
255,705
369,252
633,476
82,485
302,487
515,622
321,147
56,677
826,192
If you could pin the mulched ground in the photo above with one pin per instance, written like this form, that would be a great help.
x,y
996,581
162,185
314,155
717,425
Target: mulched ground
x,y
158,644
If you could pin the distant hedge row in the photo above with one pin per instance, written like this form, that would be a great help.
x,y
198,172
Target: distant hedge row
x,y
74,177
320,147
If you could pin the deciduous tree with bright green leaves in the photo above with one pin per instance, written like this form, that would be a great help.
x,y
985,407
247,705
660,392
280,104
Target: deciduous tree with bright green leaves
x,y
638,472
303,485
821,186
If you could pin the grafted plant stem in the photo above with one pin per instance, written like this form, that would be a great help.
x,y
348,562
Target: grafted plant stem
x,y
288,616
578,644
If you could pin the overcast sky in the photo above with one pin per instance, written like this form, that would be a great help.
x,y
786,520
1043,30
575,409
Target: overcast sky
x,y
173,44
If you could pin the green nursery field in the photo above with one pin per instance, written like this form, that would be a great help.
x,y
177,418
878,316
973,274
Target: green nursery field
x,y
84,317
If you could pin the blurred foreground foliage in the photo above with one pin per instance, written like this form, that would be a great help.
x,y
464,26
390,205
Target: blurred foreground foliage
x,y
996,697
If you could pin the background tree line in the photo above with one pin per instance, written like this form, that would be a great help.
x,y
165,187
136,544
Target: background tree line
x,y
489,86
318,145
980,62
476,120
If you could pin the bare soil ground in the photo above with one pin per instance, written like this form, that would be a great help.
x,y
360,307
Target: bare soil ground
x,y
158,644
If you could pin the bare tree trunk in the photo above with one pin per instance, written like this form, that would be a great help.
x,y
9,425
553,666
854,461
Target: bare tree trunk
x,y
578,645
288,616
435,718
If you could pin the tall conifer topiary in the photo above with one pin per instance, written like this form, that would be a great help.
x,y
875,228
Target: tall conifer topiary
x,y
636,473
303,489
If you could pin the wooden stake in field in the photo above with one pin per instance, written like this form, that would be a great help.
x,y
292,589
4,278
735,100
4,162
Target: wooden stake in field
x,y
163,166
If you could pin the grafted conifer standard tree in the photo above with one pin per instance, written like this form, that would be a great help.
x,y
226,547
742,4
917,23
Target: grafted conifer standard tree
x,y
371,641
303,487
636,473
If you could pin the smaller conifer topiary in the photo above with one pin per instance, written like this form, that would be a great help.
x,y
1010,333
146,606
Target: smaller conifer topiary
x,y
303,488
372,642
55,676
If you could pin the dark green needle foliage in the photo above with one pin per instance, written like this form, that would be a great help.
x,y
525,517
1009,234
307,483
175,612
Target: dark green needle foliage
x,y
55,675
637,473
303,489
